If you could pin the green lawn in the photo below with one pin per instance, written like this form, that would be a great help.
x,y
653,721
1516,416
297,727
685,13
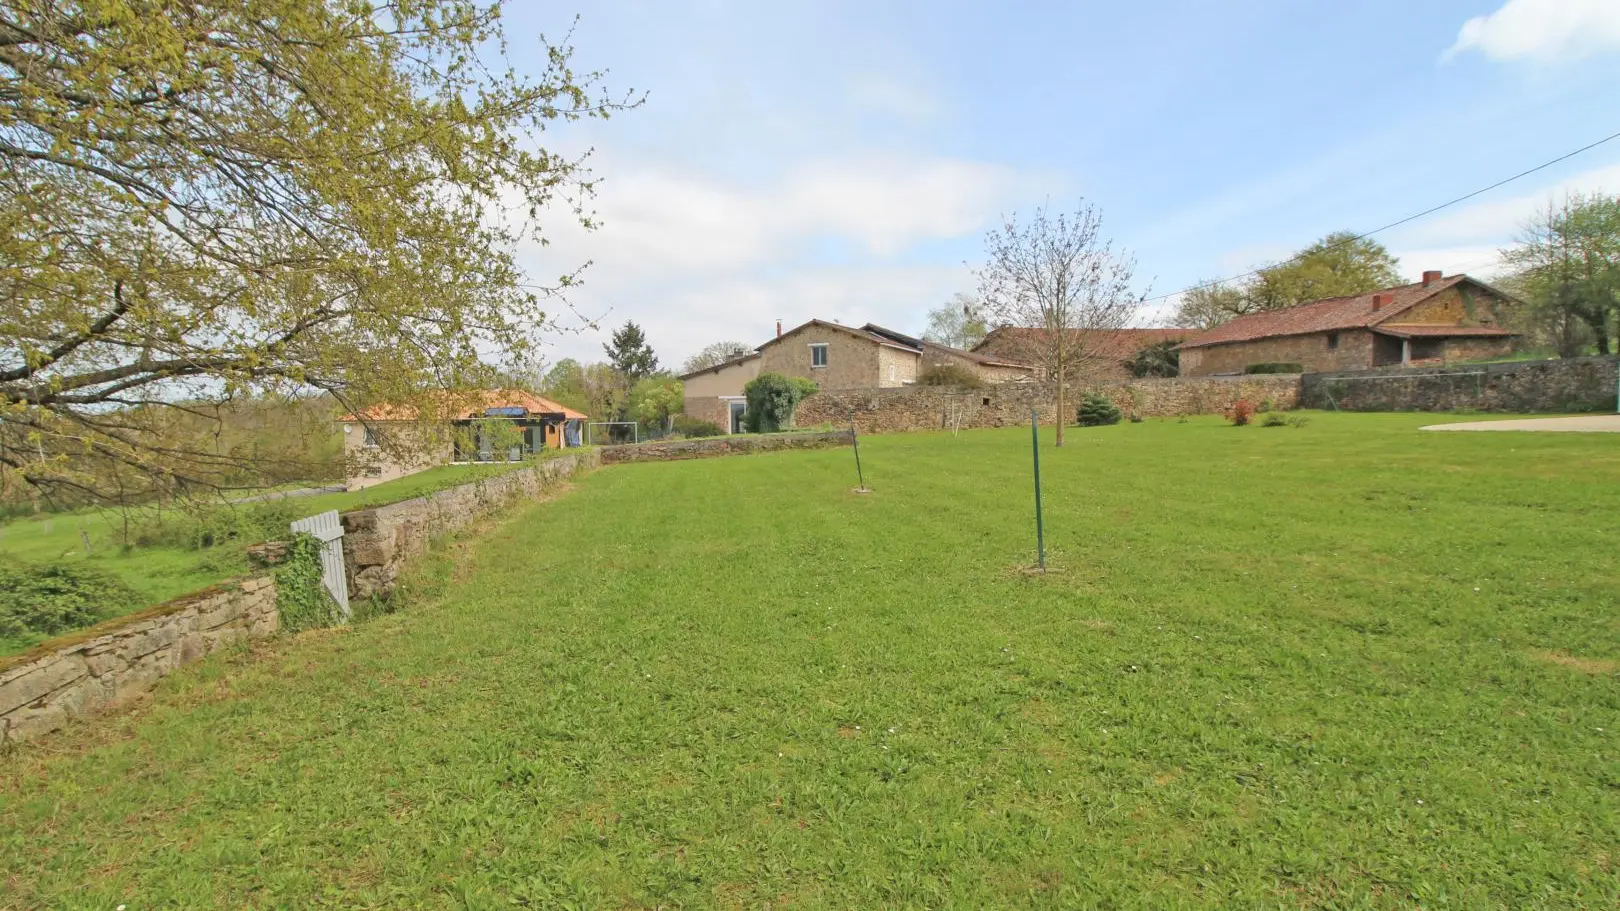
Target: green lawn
x,y
157,573
1347,665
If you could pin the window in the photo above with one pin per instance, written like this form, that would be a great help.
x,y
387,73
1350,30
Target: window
x,y
370,441
1333,340
818,355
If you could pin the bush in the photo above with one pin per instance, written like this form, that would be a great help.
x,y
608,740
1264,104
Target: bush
x,y
1096,411
1274,419
950,375
1240,412
1158,359
692,427
46,600
198,527
1274,367
771,400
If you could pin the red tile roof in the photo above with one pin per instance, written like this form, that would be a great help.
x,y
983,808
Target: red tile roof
x,y
1336,313
1115,344
1413,330
468,405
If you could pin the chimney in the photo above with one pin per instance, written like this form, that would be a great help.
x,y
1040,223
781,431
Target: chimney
x,y
778,328
1431,276
1378,301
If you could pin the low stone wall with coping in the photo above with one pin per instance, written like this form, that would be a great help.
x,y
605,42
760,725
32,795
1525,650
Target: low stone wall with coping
x,y
1523,387
110,664
377,542
121,659
736,444
1009,404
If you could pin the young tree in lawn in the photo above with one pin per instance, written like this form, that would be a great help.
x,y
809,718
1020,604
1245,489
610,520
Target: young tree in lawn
x,y
1058,274
209,201
959,323
715,354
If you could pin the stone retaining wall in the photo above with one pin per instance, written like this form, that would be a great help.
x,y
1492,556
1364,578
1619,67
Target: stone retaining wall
x,y
1569,384
378,541
710,447
1007,404
123,658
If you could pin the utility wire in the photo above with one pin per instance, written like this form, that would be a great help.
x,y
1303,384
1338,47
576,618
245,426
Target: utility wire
x,y
1395,224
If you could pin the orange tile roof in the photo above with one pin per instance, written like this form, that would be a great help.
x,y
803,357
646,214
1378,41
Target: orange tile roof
x,y
1115,344
469,405
1334,313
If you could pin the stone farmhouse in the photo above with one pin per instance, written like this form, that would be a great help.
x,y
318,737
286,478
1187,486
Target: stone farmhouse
x,y
456,435
834,357
1102,352
1431,322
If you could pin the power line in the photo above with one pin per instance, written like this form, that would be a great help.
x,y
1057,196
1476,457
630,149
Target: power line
x,y
1395,224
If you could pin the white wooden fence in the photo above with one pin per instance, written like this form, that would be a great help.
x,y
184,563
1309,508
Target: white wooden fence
x,y
328,529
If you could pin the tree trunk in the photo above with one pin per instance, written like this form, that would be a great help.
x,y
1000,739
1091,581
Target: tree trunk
x,y
1060,406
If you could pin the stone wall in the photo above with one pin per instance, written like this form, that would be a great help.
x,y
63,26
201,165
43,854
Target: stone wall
x,y
123,658
378,541
1008,404
1352,349
1572,384
710,447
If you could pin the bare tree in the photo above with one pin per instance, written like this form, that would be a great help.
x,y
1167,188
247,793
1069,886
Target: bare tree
x,y
958,323
714,355
1056,275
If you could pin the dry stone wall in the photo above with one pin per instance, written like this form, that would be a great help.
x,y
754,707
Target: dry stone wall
x,y
710,447
119,660
1570,384
377,542
1007,404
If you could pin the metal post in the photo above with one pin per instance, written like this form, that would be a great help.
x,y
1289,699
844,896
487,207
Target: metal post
x,y
1040,527
855,440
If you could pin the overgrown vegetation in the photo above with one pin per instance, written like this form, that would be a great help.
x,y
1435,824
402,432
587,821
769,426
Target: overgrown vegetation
x,y
301,599
1097,410
39,601
1160,359
1240,412
950,375
693,427
1360,668
771,399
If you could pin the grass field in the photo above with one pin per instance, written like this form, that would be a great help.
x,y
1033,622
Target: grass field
x,y
1347,665
157,573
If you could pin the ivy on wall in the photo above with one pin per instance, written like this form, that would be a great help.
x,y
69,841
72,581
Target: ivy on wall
x,y
301,599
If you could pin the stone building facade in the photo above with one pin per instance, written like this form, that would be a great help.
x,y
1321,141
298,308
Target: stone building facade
x,y
1436,321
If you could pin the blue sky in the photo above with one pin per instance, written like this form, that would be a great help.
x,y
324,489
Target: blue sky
x,y
843,160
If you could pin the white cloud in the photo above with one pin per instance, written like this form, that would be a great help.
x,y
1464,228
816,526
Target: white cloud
x,y
1499,220
695,258
1542,30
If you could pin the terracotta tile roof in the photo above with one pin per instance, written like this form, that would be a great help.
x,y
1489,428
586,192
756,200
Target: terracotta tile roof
x,y
975,357
1330,314
866,334
468,405
1114,344
1415,330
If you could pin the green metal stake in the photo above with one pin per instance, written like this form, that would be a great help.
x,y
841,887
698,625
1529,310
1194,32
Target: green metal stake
x,y
855,440
1040,527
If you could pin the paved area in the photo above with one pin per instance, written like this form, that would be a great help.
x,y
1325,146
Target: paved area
x,y
1586,423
